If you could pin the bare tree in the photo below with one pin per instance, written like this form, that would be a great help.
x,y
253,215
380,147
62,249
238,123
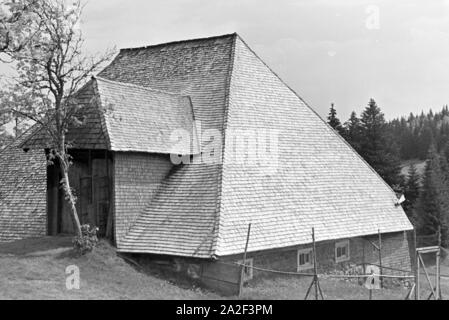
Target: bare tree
x,y
51,68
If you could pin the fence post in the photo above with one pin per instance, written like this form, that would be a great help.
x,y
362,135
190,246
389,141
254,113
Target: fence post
x,y
437,276
242,269
364,258
380,260
416,265
314,264
418,286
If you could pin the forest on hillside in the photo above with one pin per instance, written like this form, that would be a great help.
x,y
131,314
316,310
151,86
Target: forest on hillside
x,y
385,145
416,133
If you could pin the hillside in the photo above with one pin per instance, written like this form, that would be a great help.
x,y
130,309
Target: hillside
x,y
35,269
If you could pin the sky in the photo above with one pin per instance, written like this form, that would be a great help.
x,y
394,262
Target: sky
x,y
344,52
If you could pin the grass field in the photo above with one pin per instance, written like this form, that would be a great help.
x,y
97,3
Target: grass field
x,y
295,288
35,269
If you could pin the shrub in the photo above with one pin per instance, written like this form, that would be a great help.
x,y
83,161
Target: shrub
x,y
87,241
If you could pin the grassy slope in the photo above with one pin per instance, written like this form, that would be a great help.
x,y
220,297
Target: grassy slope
x,y
35,269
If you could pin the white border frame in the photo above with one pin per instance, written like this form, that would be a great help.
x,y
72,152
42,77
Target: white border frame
x,y
305,266
344,243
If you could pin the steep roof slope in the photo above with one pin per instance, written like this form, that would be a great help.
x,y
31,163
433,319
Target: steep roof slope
x,y
22,193
89,135
199,69
180,219
315,180
141,119
196,68
126,117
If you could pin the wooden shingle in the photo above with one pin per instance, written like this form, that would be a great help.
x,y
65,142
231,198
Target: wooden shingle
x,y
22,193
203,210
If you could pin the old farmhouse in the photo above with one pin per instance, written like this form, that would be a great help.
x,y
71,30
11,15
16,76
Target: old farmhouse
x,y
191,203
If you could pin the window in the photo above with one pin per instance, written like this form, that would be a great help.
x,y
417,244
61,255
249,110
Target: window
x,y
248,269
342,251
305,259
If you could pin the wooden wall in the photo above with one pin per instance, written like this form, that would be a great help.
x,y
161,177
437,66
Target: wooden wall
x,y
223,275
91,181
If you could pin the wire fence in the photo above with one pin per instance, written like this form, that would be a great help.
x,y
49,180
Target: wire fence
x,y
331,286
373,275
280,284
427,240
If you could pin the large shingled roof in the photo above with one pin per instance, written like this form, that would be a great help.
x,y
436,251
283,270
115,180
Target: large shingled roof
x,y
204,210
127,117
182,220
141,119
90,135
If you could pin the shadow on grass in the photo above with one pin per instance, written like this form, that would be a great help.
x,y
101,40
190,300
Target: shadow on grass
x,y
165,272
35,245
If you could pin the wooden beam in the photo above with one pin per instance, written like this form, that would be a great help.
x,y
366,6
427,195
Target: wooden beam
x,y
437,276
380,259
315,269
91,173
410,292
416,266
427,275
373,244
108,232
418,285
433,249
52,199
242,271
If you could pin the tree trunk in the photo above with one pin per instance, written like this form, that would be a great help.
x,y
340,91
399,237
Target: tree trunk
x,y
69,196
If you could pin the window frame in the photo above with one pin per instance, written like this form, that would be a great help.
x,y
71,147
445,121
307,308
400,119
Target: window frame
x,y
342,244
307,266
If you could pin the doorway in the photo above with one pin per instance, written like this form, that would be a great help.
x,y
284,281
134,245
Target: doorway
x,y
90,179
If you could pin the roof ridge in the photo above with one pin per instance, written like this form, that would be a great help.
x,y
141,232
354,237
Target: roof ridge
x,y
316,113
223,130
23,136
180,41
127,84
10,144
103,121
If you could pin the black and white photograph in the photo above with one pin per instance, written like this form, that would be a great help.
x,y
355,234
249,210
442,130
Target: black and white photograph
x,y
224,151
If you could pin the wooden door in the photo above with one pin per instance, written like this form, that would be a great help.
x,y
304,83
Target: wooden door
x,y
101,196
79,189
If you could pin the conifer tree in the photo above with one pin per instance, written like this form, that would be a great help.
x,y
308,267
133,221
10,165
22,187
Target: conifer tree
x,y
379,151
433,204
426,139
353,131
445,151
411,190
333,120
